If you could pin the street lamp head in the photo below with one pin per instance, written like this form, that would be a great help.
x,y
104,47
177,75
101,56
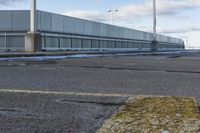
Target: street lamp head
x,y
113,10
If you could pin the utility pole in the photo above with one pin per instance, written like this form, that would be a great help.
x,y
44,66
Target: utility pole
x,y
32,38
33,16
112,11
154,20
154,43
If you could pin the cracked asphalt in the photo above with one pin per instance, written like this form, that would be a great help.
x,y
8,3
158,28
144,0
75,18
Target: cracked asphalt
x,y
176,75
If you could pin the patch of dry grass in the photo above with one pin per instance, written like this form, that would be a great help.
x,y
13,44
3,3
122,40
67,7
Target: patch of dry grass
x,y
154,115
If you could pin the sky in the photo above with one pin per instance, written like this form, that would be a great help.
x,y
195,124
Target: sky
x,y
177,18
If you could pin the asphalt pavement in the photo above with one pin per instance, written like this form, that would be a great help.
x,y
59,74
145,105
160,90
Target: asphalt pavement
x,y
168,74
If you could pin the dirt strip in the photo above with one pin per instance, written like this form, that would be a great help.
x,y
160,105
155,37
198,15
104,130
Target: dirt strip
x,y
155,115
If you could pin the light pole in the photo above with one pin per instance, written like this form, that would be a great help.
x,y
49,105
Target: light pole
x,y
154,44
33,39
33,16
154,20
112,11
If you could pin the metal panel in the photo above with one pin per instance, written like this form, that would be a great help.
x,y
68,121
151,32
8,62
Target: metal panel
x,y
115,31
76,43
45,21
118,44
124,44
21,20
2,42
120,30
103,44
88,27
111,44
52,42
65,42
87,43
38,20
79,26
96,29
109,30
95,43
130,45
103,30
15,42
57,23
6,20
69,25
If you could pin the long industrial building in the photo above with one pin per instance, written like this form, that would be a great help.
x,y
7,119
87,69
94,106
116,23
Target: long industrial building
x,y
59,32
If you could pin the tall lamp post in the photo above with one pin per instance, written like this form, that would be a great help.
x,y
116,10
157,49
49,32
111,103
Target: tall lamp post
x,y
154,44
32,38
32,16
112,11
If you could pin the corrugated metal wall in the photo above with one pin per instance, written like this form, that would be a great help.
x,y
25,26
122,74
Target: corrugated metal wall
x,y
13,27
63,32
65,24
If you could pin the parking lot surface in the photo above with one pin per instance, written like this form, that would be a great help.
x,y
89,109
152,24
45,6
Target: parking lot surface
x,y
173,74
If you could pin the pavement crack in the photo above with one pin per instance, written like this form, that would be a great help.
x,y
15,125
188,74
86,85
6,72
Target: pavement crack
x,y
135,69
90,102
191,72
16,112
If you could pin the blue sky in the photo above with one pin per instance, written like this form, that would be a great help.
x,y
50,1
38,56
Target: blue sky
x,y
179,18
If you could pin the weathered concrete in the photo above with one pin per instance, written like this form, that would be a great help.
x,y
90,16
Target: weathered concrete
x,y
33,42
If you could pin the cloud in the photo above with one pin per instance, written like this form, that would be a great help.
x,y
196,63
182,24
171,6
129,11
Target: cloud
x,y
90,15
179,30
6,2
164,7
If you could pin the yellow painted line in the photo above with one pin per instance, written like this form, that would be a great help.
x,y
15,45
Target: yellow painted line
x,y
63,93
155,115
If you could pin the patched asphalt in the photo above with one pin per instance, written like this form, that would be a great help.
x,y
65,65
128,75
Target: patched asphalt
x,y
176,75
54,113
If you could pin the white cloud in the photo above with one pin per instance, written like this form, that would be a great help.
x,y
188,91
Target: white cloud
x,y
180,30
164,7
6,2
90,15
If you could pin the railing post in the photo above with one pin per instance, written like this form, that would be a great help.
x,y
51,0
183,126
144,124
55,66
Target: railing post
x,y
5,41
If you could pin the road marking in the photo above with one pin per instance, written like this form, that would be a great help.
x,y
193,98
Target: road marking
x,y
64,93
